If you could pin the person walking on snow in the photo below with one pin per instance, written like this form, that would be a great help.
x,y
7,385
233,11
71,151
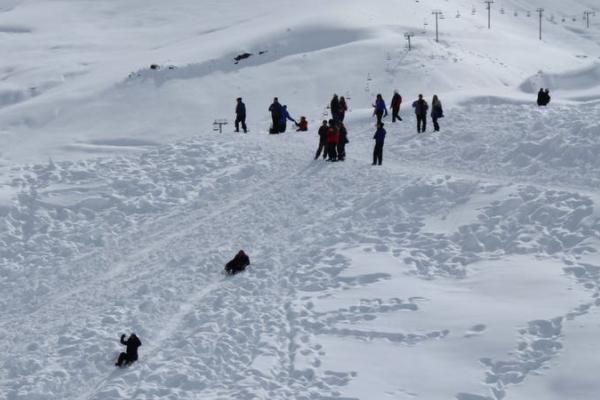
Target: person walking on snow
x,y
131,354
275,109
343,139
395,106
421,108
334,106
343,108
380,109
240,115
379,139
333,138
436,112
322,141
283,118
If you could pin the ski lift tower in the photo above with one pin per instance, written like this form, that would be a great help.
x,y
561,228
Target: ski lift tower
x,y
438,14
489,10
408,36
540,12
587,14
218,125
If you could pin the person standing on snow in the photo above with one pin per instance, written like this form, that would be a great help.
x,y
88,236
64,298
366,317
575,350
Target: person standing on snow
x,y
395,106
275,109
380,109
421,108
343,108
379,139
283,118
131,354
322,141
240,115
436,112
334,106
547,97
540,97
333,138
342,140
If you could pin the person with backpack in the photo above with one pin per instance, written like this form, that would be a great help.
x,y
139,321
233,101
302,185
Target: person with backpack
x,y
302,125
436,112
131,354
238,263
334,106
380,109
240,116
395,106
342,109
322,141
421,108
379,140
283,118
343,139
333,138
276,109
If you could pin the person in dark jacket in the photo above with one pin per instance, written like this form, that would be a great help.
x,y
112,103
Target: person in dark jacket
x,y
380,109
275,109
343,108
333,138
131,354
421,108
379,139
436,112
240,115
547,97
322,141
238,263
343,139
540,97
283,119
395,106
334,106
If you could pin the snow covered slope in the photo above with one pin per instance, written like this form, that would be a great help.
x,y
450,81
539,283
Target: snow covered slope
x,y
466,267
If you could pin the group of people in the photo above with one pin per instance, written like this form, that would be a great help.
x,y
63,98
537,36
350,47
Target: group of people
x,y
543,97
420,106
333,137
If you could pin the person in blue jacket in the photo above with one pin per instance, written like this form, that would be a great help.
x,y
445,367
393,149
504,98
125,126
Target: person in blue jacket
x,y
379,139
380,110
283,118
275,109
240,115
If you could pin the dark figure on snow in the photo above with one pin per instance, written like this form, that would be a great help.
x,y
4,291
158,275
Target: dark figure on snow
x,y
436,112
238,264
379,139
343,108
543,97
395,106
322,141
421,108
276,109
240,115
540,97
131,354
333,138
283,119
380,109
334,106
302,125
342,140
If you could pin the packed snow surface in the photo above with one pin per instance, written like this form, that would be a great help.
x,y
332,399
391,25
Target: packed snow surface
x,y
465,267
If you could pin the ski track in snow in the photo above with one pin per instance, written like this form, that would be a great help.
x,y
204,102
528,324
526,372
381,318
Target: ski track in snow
x,y
138,242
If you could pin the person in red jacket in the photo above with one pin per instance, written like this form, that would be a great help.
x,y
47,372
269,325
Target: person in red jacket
x,y
395,106
333,138
302,125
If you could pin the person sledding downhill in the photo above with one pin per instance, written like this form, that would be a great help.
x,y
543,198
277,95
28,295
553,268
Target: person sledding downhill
x,y
238,263
302,125
131,354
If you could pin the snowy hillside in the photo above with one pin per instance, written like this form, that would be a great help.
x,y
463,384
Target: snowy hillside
x,y
466,267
